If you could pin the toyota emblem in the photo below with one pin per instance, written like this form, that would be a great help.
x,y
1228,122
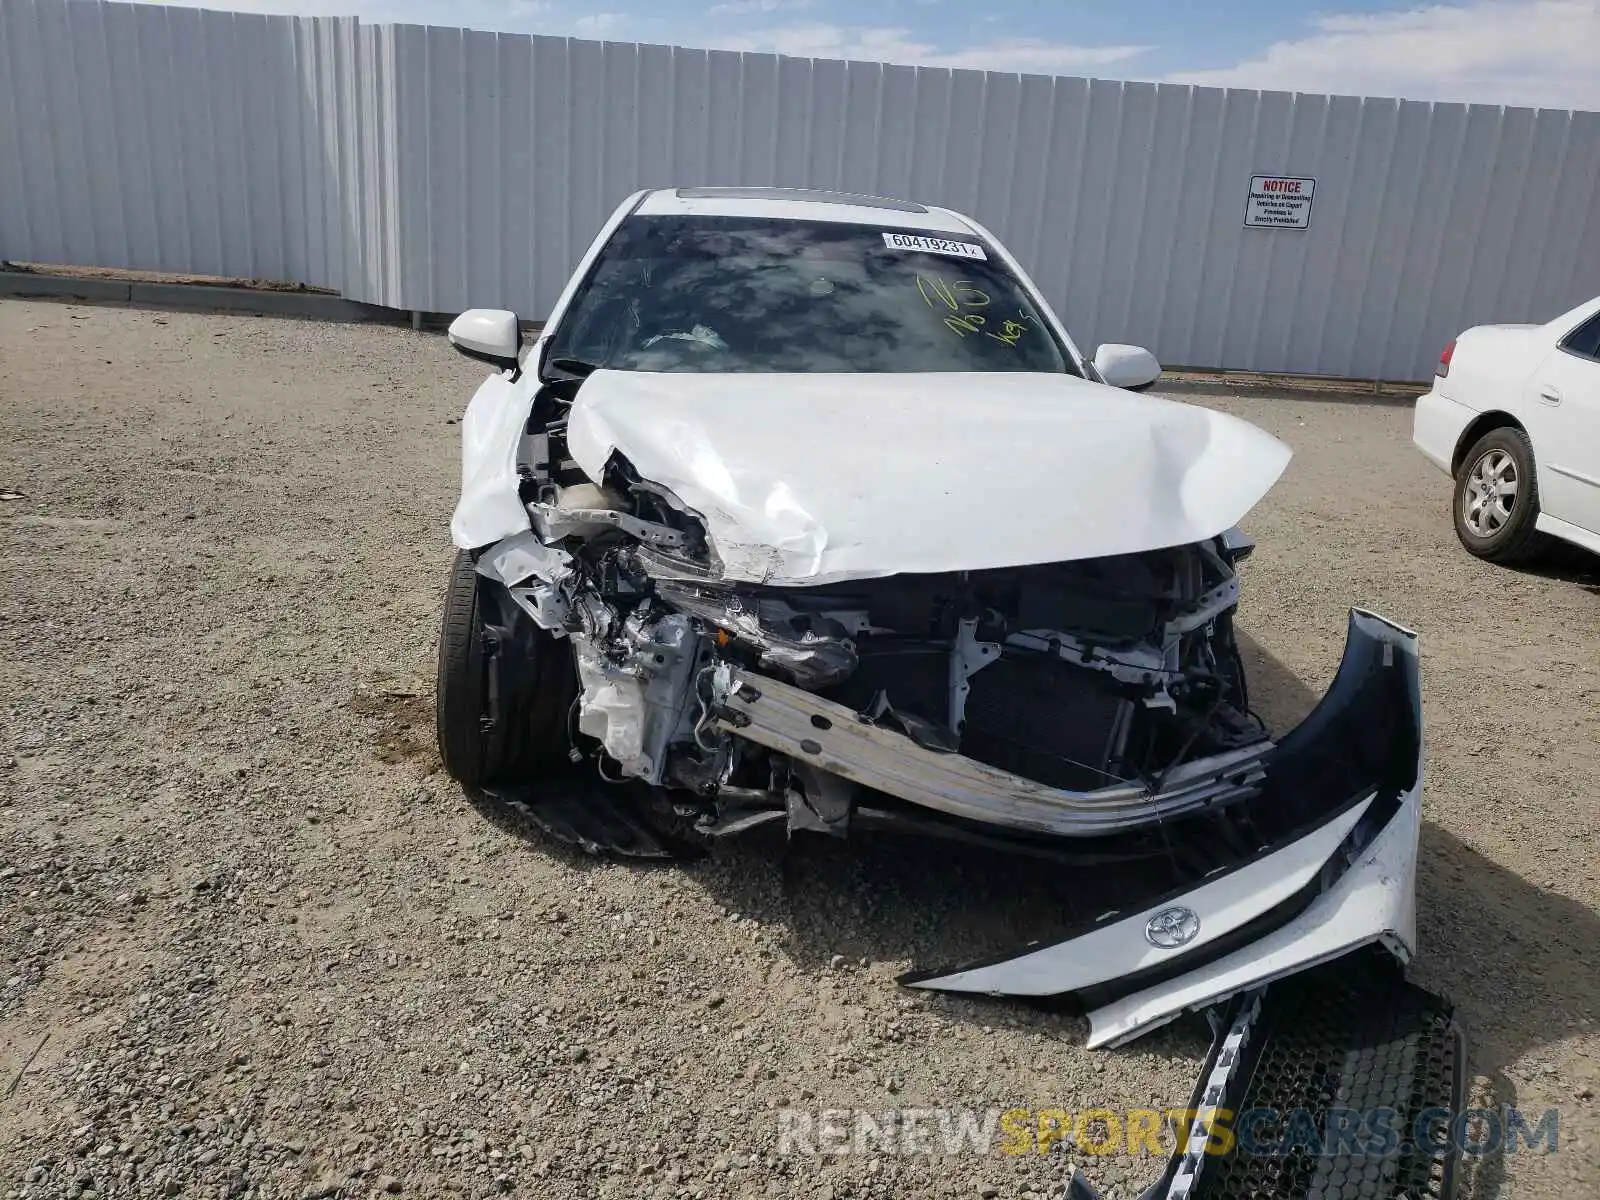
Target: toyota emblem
x,y
1172,927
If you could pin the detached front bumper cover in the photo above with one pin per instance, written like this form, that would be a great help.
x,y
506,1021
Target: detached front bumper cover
x,y
1341,792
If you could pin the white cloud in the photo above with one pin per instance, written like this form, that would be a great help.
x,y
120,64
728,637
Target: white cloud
x,y
1533,52
737,8
599,24
896,45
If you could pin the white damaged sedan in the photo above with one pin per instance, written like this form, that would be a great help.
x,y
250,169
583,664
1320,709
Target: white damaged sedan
x,y
804,508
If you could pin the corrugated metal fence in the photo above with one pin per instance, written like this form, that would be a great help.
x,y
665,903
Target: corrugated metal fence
x,y
435,169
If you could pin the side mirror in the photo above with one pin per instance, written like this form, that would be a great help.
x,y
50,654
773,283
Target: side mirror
x,y
489,335
1130,367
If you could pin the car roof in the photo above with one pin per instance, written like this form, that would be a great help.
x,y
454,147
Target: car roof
x,y
807,204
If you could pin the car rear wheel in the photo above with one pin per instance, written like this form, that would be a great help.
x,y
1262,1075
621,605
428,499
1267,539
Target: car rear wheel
x,y
504,686
1497,497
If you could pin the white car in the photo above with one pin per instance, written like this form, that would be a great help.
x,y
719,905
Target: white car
x,y
805,509
1514,417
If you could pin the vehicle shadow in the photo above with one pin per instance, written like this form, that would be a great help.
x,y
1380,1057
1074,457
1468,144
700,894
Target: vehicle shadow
x,y
586,823
1565,563
1518,961
1278,696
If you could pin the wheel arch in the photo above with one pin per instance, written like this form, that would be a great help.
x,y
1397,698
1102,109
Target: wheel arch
x,y
1480,425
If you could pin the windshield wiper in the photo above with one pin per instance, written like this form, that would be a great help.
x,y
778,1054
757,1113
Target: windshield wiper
x,y
575,368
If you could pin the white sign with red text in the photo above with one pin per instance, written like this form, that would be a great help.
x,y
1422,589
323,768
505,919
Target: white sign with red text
x,y
1279,202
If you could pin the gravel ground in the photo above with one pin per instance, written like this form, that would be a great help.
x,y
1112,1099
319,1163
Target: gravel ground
x,y
262,947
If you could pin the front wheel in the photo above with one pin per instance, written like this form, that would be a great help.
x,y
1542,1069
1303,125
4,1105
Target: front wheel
x,y
503,689
1497,497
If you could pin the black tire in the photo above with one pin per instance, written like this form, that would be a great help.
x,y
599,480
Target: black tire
x,y
503,689
1515,540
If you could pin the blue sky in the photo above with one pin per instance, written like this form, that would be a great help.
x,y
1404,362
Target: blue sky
x,y
1527,52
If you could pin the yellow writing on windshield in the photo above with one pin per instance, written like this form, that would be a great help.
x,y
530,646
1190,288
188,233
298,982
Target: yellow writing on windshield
x,y
1011,331
963,293
960,298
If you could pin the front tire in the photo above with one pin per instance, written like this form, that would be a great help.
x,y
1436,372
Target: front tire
x,y
1496,499
504,686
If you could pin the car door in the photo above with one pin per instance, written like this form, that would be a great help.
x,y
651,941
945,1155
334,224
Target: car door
x,y
1563,418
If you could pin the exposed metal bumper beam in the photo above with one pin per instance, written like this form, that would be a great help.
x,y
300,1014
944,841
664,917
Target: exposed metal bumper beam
x,y
835,739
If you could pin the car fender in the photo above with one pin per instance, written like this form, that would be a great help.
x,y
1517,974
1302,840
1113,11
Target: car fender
x,y
490,507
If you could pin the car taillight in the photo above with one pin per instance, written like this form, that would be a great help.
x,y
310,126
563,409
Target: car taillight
x,y
1445,356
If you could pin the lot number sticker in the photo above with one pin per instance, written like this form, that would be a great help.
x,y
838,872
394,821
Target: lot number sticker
x,y
929,245
1279,202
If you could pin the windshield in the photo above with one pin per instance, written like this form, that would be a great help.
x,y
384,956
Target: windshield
x,y
753,294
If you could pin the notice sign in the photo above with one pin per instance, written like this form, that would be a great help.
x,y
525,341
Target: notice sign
x,y
1277,202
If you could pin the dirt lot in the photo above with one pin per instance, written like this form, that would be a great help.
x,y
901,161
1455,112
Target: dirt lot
x,y
263,947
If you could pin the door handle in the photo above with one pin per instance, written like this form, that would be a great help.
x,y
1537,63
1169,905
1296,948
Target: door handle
x,y
1550,394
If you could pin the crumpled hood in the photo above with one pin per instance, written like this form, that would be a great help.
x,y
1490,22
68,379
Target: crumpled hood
x,y
808,479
